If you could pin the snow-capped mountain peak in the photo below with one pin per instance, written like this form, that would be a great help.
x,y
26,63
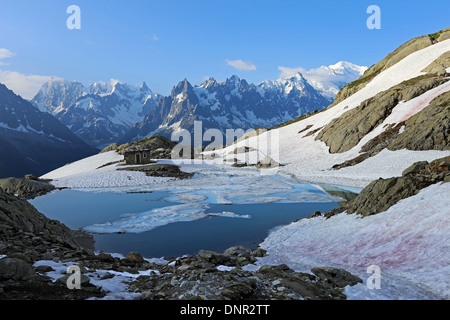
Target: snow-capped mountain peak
x,y
99,113
211,82
328,80
343,67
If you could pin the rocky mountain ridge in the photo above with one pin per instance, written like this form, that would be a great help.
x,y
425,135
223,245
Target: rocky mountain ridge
x,y
32,141
111,112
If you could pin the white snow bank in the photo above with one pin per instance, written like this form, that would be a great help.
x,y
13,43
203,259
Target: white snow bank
x,y
89,173
84,165
410,243
107,177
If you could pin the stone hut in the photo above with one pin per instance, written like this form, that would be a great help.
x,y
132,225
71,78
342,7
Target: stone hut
x,y
135,156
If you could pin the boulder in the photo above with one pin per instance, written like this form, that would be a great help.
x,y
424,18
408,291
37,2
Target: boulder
x,y
339,277
17,269
211,257
267,163
134,257
44,269
381,194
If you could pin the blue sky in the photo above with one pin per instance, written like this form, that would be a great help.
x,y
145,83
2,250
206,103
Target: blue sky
x,y
163,42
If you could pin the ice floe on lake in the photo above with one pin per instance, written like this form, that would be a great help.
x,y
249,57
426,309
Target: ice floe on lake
x,y
146,221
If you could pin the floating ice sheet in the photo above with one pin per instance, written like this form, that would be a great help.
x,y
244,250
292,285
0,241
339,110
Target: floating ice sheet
x,y
146,221
238,186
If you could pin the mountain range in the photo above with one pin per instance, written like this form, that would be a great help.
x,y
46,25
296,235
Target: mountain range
x,y
67,121
109,112
99,114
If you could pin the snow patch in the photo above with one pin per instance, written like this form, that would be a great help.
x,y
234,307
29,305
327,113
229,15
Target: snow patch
x,y
409,242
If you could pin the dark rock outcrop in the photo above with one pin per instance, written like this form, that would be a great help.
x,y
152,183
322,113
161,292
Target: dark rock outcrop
x,y
160,170
198,277
161,147
428,129
339,277
381,194
26,188
23,228
345,132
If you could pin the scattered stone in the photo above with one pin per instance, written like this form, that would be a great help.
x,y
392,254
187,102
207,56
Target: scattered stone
x,y
105,257
134,258
315,214
339,277
160,170
267,163
44,269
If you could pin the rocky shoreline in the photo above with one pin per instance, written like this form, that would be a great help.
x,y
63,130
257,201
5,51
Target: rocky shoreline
x,y
30,244
27,188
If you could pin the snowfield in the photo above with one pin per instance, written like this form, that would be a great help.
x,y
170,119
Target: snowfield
x,y
87,173
409,242
310,160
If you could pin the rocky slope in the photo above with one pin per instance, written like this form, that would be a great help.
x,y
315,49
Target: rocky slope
x,y
345,132
26,188
382,194
391,59
32,141
26,232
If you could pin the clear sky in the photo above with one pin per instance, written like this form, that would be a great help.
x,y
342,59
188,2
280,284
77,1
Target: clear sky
x,y
162,42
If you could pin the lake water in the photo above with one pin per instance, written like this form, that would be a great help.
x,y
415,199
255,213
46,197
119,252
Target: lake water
x,y
186,216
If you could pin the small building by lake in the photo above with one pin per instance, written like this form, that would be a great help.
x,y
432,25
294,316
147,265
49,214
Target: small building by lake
x,y
135,157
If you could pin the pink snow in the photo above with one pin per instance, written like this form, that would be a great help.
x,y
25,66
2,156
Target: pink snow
x,y
410,240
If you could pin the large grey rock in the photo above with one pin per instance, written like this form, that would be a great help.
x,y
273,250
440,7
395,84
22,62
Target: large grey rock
x,y
381,194
16,269
427,130
26,187
339,277
267,163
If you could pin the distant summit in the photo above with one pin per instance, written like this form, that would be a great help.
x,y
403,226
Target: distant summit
x,y
328,80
